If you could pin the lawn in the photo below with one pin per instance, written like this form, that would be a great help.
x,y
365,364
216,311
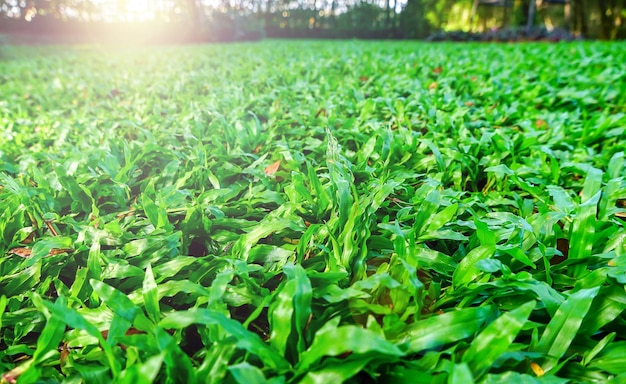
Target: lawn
x,y
313,212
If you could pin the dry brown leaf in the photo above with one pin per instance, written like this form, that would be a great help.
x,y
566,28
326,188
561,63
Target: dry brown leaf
x,y
58,251
438,70
29,239
26,252
126,214
469,103
20,251
322,111
64,354
432,85
272,168
541,124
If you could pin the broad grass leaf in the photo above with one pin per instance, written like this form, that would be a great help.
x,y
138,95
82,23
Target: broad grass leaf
x,y
611,195
151,295
562,199
50,338
126,312
519,255
442,217
564,326
266,227
219,287
337,370
521,378
217,360
341,179
93,373
178,365
354,340
617,379
20,282
590,354
171,267
245,339
290,312
245,373
496,339
466,270
612,359
172,288
583,232
73,319
157,215
143,373
439,330
484,234
500,170
118,327
593,184
437,261
3,305
44,247
460,373
615,167
281,317
607,306
116,300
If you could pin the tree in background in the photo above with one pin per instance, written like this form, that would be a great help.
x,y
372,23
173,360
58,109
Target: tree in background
x,y
244,19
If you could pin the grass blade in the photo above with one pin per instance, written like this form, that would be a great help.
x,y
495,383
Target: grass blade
x,y
494,340
442,329
563,327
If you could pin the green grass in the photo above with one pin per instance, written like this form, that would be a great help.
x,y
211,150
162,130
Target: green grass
x,y
313,212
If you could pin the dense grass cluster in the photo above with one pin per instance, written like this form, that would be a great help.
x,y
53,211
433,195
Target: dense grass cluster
x,y
313,212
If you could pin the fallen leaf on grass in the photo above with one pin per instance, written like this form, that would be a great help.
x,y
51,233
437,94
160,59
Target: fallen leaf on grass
x,y
541,124
126,214
26,252
29,239
272,168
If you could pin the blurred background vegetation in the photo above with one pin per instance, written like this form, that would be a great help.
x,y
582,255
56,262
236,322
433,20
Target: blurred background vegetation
x,y
228,20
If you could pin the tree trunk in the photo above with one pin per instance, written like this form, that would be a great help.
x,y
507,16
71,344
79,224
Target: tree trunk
x,y
605,20
195,13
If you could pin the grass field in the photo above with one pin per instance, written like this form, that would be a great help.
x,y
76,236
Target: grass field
x,y
313,212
